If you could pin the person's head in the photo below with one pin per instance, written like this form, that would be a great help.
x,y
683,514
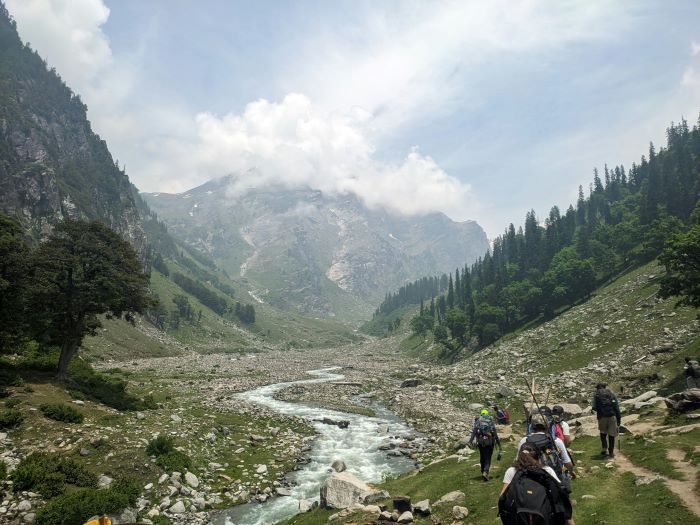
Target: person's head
x,y
687,359
601,385
484,412
527,457
539,424
558,410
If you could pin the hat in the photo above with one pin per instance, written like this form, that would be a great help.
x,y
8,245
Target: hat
x,y
601,385
538,420
484,411
558,410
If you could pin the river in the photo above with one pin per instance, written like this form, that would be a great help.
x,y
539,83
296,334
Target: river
x,y
356,445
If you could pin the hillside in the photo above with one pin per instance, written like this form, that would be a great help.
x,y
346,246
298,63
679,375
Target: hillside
x,y
311,253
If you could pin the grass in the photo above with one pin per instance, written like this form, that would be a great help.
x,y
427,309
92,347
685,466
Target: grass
x,y
616,499
652,453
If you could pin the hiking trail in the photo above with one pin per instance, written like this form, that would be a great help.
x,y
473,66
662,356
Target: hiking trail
x,y
684,489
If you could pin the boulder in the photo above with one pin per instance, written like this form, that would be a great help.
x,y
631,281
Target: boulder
x,y
104,481
371,509
456,496
422,508
375,495
262,469
24,505
342,489
571,410
306,505
646,396
684,401
410,383
128,515
283,492
177,508
342,423
585,426
29,517
339,466
459,513
405,517
505,391
401,503
191,480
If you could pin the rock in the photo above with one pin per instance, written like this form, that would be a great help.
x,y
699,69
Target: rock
x,y
84,452
283,492
149,486
505,391
191,480
262,469
645,480
375,495
459,513
456,496
401,503
462,443
684,401
175,418
162,479
256,438
571,410
411,383
475,406
140,415
177,508
405,517
210,437
24,505
646,396
588,496
29,517
585,426
104,481
342,489
385,515
342,423
371,509
422,508
128,515
664,348
306,505
338,466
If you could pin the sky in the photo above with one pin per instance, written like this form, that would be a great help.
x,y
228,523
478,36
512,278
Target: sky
x,y
480,109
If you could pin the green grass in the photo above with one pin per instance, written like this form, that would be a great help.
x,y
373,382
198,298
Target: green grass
x,y
651,453
617,500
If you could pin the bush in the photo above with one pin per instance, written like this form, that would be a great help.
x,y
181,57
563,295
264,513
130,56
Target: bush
x,y
174,461
61,412
160,445
12,402
108,390
3,471
10,418
81,505
49,473
131,488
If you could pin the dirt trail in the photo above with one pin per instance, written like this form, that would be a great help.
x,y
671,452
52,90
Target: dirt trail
x,y
684,489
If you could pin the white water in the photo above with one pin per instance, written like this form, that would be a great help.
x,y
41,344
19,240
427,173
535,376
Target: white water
x,y
356,446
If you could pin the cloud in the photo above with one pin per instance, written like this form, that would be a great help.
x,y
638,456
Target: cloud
x,y
694,48
294,144
68,34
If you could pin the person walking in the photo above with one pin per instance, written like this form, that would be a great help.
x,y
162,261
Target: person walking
x,y
486,437
607,410
558,419
533,491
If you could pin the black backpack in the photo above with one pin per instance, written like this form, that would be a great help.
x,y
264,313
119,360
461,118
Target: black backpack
x,y
604,403
533,497
548,451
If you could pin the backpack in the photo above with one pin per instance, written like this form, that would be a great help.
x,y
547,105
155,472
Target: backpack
x,y
484,431
555,429
533,497
548,452
604,403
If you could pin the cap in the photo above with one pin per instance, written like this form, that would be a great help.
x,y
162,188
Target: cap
x,y
538,420
484,412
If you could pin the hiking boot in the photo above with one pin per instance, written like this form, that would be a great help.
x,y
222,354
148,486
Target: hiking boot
x,y
604,453
485,475
611,454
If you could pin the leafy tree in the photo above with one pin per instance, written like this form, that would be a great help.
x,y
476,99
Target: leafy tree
x,y
83,270
14,262
458,323
681,257
421,324
440,334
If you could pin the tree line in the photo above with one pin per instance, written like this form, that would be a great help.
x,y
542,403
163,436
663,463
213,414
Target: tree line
x,y
625,219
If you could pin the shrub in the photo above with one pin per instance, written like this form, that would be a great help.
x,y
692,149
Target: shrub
x,y
49,473
10,418
3,471
160,445
12,402
130,487
174,461
61,412
79,506
108,390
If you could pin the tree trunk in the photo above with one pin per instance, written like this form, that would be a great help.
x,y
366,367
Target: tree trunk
x,y
68,350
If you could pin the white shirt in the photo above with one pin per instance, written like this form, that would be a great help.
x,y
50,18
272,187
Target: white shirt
x,y
563,454
565,428
510,473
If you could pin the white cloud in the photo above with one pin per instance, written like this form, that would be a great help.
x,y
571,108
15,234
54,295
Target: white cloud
x,y
294,144
694,48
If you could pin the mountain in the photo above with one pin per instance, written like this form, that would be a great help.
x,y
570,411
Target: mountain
x,y
323,255
52,165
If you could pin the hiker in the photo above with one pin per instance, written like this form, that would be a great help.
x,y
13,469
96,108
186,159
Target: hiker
x,y
551,450
531,492
560,427
484,432
692,373
502,416
607,410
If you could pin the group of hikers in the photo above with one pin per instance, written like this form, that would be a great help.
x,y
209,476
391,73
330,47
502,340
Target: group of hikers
x,y
536,487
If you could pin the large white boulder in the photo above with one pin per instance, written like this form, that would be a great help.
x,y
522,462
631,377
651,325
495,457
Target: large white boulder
x,y
342,489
